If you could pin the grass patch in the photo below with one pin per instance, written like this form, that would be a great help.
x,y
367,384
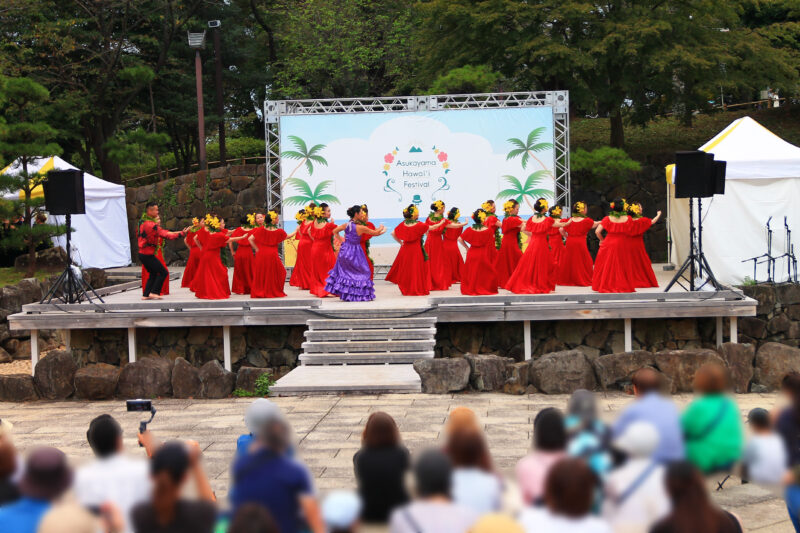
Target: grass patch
x,y
11,276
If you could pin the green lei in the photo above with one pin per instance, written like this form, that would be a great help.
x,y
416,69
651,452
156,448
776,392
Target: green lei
x,y
519,233
617,213
421,239
498,238
366,243
147,218
434,217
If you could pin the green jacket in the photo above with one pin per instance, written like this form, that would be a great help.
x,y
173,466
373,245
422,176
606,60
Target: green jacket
x,y
712,430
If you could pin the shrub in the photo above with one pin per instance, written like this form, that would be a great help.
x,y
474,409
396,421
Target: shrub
x,y
603,166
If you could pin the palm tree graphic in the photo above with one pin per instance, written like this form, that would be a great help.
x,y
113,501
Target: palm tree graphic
x,y
307,195
527,148
519,191
307,156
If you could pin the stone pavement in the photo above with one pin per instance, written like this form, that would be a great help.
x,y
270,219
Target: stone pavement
x,y
328,429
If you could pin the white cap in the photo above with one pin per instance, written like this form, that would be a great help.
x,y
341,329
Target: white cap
x,y
341,509
640,439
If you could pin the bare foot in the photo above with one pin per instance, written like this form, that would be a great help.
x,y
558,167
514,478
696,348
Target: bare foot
x,y
147,297
156,297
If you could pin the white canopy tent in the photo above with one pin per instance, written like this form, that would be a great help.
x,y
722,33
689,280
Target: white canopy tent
x,y
762,181
100,237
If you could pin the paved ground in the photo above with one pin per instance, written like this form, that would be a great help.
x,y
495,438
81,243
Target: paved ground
x,y
328,430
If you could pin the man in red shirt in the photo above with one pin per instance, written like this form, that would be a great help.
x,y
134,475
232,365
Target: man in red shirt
x,y
149,234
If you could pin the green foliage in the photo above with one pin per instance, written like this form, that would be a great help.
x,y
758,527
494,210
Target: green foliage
x,y
241,393
263,384
749,282
466,79
602,166
170,198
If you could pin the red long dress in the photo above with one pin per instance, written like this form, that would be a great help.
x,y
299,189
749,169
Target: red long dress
x,y
533,273
452,255
510,252
194,258
211,279
364,238
434,246
269,274
302,265
613,266
410,271
146,274
479,274
321,257
492,251
556,243
242,264
575,266
642,274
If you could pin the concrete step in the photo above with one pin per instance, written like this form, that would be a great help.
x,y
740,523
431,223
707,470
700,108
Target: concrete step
x,y
332,335
367,358
364,379
371,323
343,347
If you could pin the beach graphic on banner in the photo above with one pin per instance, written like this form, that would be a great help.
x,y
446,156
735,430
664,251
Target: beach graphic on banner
x,y
391,160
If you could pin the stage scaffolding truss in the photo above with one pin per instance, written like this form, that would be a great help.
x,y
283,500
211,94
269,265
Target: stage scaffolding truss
x,y
558,100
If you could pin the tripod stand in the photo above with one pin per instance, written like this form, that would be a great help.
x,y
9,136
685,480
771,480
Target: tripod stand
x,y
73,288
695,263
768,259
788,253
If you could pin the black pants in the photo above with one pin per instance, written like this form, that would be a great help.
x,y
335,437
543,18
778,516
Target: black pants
x,y
157,274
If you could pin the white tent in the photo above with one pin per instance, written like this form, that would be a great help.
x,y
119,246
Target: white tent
x,y
100,237
762,181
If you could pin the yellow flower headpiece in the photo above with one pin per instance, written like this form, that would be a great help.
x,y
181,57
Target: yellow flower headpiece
x,y
318,212
309,210
544,203
415,211
557,211
482,216
211,222
251,219
438,204
508,206
301,216
486,206
195,221
636,209
456,215
579,207
273,217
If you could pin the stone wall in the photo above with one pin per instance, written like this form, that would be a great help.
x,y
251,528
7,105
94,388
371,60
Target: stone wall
x,y
777,317
230,191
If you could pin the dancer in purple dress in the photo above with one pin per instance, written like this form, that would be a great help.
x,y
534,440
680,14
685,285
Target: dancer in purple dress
x,y
351,278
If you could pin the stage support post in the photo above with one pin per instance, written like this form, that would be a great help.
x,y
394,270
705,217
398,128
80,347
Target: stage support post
x,y
131,345
34,349
628,336
526,336
67,334
734,329
719,331
226,346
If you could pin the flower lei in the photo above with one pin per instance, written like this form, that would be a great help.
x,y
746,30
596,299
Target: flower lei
x,y
434,217
616,211
147,218
366,243
519,233
579,207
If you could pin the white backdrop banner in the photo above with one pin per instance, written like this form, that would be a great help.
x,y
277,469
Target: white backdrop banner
x,y
390,160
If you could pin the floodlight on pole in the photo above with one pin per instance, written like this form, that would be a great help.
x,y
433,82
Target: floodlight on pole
x,y
197,42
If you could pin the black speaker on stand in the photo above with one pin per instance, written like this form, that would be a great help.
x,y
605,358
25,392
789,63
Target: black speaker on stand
x,y
697,176
64,195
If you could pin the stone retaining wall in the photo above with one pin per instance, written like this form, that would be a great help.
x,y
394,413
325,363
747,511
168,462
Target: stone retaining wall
x,y
777,316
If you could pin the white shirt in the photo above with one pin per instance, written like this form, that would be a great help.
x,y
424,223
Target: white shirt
x,y
432,517
476,489
541,520
117,479
643,507
765,458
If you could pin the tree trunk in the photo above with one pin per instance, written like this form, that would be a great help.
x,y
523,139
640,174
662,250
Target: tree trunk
x,y
617,139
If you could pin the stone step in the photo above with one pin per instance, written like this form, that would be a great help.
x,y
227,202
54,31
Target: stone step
x,y
364,358
332,335
370,323
363,379
343,347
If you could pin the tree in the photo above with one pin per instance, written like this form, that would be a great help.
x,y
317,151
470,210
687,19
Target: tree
x,y
465,80
24,138
604,165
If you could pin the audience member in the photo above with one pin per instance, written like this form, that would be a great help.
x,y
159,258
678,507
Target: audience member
x,y
474,484
764,455
635,496
380,468
8,466
712,428
341,510
47,476
252,518
787,425
433,511
588,437
651,407
692,509
549,447
258,413
496,523
112,477
267,476
166,511
461,418
569,496
72,518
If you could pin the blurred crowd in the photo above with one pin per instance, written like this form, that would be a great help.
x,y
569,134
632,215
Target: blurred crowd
x,y
651,470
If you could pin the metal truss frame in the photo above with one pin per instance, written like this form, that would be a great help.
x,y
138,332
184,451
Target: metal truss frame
x,y
558,100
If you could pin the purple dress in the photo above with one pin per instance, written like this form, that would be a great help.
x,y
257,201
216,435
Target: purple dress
x,y
351,278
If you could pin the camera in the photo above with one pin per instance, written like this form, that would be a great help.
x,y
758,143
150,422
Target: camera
x,y
139,406
214,24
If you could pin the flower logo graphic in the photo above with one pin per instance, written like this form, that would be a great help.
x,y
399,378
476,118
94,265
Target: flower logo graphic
x,y
386,166
442,156
388,158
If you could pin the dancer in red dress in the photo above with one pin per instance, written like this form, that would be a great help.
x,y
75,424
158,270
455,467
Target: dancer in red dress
x,y
411,269
243,257
147,239
479,275
511,247
641,273
160,256
322,256
434,247
365,237
195,251
269,274
302,265
575,266
454,263
211,279
613,265
494,226
555,239
533,273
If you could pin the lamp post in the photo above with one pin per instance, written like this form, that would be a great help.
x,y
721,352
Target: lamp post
x,y
215,27
196,42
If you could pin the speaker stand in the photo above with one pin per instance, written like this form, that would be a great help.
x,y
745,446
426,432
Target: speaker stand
x,y
696,263
73,288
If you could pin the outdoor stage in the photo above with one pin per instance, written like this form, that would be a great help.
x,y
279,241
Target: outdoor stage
x,y
123,308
